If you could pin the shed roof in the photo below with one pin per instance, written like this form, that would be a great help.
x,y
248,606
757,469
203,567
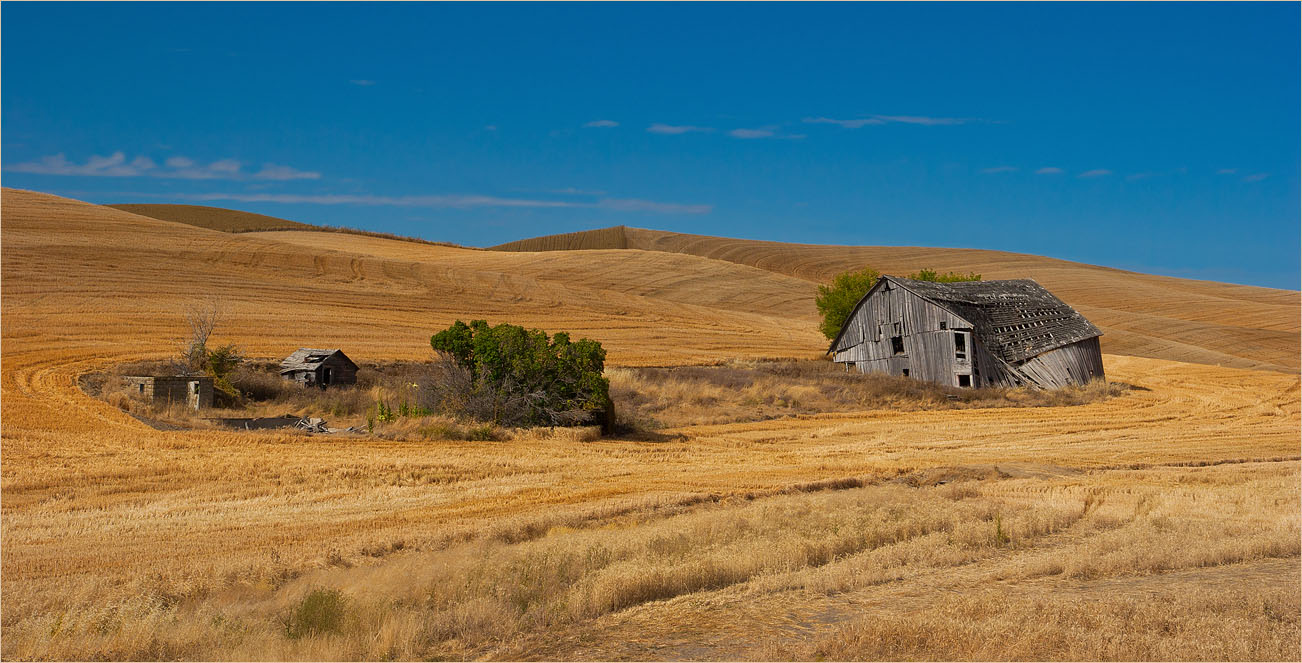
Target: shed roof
x,y
309,359
1014,320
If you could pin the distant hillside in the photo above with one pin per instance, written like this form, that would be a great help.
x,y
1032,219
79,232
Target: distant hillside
x,y
614,237
1141,314
236,221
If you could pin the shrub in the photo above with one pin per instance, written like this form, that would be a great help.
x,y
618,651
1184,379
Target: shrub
x,y
515,376
321,611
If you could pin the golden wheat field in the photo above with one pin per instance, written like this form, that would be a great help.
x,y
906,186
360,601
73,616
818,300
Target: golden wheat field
x,y
1158,524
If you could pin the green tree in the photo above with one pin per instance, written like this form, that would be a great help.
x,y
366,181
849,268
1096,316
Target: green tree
x,y
837,300
530,378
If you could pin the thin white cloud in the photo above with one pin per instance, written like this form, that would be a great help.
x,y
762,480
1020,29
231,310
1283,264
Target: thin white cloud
x,y
444,201
271,171
490,127
848,124
362,82
671,129
1049,170
571,191
858,122
929,121
1227,171
1256,177
764,132
637,205
177,167
998,169
596,124
1097,172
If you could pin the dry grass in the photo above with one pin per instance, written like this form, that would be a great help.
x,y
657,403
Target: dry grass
x,y
741,391
702,567
120,541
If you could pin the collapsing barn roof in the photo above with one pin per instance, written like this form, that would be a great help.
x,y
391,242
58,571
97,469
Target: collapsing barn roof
x,y
309,359
1015,320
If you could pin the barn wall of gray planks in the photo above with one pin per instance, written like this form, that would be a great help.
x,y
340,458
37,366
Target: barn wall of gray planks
x,y
898,332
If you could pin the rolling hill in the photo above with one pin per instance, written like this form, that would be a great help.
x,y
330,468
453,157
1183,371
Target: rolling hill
x,y
1141,314
236,221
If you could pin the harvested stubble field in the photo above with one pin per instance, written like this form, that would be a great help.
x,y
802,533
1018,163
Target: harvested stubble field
x,y
1162,523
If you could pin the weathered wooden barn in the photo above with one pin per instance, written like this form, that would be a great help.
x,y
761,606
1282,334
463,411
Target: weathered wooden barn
x,y
970,334
319,368
193,391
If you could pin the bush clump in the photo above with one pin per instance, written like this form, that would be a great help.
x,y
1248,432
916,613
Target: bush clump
x,y
321,611
512,376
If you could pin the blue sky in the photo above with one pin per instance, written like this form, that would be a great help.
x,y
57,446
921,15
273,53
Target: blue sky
x,y
1156,137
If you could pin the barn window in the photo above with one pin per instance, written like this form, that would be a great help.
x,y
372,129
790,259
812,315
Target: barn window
x,y
960,345
196,386
325,375
905,373
142,387
897,345
944,325
965,380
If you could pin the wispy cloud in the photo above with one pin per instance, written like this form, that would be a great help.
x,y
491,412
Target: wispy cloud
x,y
362,82
1256,177
490,127
929,121
848,124
1097,172
571,191
271,171
1049,170
671,129
855,123
443,201
1227,171
765,132
597,124
177,167
998,169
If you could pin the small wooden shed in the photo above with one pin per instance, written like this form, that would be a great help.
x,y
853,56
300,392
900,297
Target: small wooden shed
x,y
319,368
194,391
970,334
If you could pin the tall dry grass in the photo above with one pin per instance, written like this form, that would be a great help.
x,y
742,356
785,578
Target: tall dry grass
x,y
498,598
754,390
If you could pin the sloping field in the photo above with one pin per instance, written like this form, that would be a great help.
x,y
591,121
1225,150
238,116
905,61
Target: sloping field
x,y
213,218
794,538
1141,314
236,221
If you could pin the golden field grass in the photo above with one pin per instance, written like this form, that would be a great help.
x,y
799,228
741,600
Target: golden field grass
x,y
1157,524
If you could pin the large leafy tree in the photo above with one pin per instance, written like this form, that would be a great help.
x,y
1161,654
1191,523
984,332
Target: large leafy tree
x,y
836,301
